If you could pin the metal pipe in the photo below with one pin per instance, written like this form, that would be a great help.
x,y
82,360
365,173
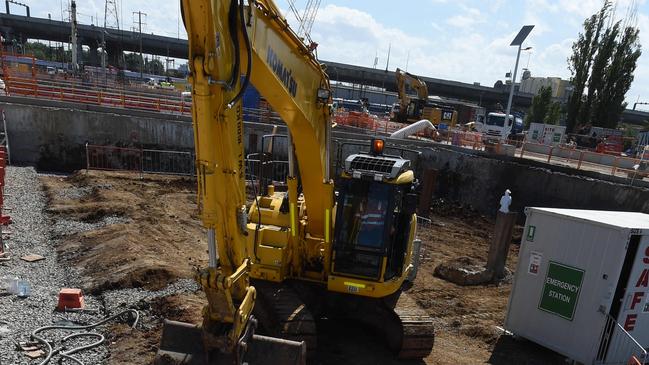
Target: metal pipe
x,y
291,156
328,151
212,248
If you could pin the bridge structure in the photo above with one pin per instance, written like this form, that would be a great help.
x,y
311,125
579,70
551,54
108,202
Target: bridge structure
x,y
22,28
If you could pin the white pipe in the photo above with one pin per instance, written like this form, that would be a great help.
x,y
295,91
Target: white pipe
x,y
413,128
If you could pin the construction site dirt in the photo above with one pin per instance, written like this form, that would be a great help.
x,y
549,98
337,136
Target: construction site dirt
x,y
153,239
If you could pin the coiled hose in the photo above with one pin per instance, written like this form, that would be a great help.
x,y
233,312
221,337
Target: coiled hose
x,y
66,354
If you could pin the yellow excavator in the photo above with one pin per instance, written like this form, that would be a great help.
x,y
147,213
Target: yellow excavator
x,y
298,255
409,110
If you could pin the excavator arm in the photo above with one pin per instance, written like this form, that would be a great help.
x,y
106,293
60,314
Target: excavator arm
x,y
228,39
405,78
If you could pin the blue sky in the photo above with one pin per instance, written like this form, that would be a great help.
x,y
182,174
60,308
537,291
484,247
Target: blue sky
x,y
463,40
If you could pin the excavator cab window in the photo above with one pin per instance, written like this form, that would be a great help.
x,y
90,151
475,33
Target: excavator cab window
x,y
366,228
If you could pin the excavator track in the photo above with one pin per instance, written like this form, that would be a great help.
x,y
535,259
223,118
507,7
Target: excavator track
x,y
407,328
417,334
283,314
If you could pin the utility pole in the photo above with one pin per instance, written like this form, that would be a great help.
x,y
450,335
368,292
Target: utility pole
x,y
139,23
387,63
73,23
111,20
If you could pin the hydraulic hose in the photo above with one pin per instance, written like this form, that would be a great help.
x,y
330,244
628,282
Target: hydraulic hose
x,y
246,39
234,37
68,354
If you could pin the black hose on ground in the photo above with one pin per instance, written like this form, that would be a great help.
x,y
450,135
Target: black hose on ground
x,y
51,352
68,354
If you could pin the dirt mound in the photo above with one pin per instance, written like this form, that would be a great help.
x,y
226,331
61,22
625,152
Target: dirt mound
x,y
138,232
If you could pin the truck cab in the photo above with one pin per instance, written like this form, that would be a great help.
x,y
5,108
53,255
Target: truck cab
x,y
495,128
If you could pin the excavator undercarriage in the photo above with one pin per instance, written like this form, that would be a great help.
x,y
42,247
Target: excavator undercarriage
x,y
288,315
406,329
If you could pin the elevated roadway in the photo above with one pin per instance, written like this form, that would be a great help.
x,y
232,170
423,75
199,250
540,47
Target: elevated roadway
x,y
22,28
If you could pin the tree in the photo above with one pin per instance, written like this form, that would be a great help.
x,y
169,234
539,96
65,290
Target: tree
x,y
553,114
39,50
133,61
602,62
155,67
580,60
619,76
541,104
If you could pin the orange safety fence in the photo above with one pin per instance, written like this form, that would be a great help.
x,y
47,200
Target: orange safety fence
x,y
88,94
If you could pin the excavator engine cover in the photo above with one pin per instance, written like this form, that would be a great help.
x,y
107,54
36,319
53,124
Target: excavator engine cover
x,y
182,344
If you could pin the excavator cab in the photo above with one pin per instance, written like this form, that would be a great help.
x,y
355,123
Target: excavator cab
x,y
373,219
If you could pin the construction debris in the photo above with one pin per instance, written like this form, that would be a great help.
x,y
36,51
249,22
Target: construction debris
x,y
32,257
35,354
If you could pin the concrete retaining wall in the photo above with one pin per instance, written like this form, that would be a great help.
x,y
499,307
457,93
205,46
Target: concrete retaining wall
x,y
480,182
53,138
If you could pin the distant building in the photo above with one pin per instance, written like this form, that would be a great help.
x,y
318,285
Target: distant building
x,y
560,88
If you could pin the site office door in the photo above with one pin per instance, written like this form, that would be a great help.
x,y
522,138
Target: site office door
x,y
633,299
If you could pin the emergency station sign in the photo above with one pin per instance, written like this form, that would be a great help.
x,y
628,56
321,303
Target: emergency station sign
x,y
561,290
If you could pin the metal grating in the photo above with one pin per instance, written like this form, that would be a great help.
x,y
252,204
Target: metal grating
x,y
372,164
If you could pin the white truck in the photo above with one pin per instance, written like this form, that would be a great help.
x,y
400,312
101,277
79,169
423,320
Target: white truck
x,y
494,129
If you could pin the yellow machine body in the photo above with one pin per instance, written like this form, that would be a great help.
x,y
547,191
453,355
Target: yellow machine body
x,y
280,235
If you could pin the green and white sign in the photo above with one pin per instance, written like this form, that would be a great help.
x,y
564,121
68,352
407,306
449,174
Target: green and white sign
x,y
531,230
561,290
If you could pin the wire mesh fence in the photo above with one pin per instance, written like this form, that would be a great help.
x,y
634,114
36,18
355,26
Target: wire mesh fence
x,y
150,161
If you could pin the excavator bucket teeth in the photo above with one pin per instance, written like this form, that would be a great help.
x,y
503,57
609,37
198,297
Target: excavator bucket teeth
x,y
182,344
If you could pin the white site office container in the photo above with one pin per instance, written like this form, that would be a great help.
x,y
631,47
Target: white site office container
x,y
577,271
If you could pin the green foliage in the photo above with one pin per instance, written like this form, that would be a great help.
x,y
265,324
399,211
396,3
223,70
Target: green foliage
x,y
553,114
133,61
155,67
541,104
602,62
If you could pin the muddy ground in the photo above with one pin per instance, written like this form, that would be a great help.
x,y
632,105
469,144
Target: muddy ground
x,y
157,239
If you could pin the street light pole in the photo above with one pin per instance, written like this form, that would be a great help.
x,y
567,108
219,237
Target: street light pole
x,y
511,89
518,41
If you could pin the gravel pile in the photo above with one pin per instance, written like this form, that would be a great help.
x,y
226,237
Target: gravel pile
x,y
34,232
74,193
141,299
31,234
66,227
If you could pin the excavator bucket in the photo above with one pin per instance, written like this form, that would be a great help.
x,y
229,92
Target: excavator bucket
x,y
182,344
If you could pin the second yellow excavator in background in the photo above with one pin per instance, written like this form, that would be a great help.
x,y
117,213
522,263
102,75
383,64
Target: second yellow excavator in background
x,y
410,110
290,257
